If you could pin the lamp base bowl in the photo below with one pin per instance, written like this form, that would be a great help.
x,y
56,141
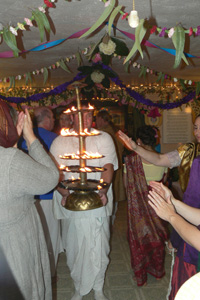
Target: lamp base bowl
x,y
82,201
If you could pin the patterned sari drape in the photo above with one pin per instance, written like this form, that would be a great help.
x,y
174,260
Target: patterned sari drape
x,y
147,233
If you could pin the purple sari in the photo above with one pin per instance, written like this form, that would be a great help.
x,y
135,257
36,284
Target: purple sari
x,y
187,257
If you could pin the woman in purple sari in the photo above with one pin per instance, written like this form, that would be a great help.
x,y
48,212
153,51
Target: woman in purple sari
x,y
187,238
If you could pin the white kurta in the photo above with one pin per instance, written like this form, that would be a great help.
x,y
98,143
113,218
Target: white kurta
x,y
86,233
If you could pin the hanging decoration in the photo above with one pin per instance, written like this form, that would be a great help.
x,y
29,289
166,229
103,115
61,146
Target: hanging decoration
x,y
107,48
177,33
38,15
133,98
153,118
110,11
97,75
44,46
95,53
163,32
133,19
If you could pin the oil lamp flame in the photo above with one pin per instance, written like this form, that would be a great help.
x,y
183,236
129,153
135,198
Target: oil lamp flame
x,y
62,167
67,111
90,106
67,132
91,155
73,108
85,155
86,169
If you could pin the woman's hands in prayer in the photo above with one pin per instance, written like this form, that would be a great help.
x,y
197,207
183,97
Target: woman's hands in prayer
x,y
165,193
24,124
28,133
20,123
161,189
163,207
128,142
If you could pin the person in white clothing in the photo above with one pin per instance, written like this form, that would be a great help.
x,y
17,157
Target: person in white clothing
x,y
86,234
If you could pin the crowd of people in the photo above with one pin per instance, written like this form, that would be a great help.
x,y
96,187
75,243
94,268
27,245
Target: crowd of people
x,y
36,226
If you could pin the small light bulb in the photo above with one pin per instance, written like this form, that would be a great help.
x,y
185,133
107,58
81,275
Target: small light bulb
x,y
133,19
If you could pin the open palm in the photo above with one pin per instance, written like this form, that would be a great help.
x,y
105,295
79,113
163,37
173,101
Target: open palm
x,y
161,189
127,141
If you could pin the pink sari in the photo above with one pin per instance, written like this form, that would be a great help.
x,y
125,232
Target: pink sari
x,y
147,233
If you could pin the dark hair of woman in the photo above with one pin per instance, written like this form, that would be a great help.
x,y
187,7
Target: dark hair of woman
x,y
104,114
147,134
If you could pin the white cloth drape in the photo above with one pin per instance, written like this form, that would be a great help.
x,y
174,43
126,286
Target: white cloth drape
x,y
91,236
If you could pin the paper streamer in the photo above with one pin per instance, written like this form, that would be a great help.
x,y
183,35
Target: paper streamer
x,y
78,34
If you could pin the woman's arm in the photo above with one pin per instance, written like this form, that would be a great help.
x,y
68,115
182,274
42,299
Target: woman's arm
x,y
152,157
189,213
32,174
166,211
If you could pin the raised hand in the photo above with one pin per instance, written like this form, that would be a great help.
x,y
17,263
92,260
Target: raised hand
x,y
127,141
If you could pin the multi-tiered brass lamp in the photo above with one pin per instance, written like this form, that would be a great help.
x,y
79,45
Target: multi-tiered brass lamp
x,y
83,196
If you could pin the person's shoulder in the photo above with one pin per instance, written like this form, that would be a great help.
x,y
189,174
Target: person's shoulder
x,y
186,146
104,134
186,149
8,150
59,139
53,134
42,131
9,153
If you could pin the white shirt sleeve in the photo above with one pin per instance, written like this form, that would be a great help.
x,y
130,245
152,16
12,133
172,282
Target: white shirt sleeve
x,y
174,158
